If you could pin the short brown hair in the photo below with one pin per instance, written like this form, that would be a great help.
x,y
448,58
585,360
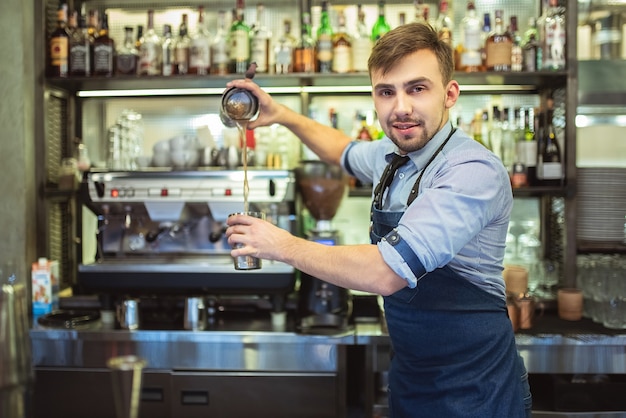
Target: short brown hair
x,y
407,39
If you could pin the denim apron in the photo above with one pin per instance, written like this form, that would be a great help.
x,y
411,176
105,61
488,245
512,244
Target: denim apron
x,y
454,352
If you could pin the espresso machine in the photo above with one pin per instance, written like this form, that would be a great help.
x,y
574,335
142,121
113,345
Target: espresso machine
x,y
322,307
159,236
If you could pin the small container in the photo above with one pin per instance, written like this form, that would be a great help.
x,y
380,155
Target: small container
x,y
570,304
239,104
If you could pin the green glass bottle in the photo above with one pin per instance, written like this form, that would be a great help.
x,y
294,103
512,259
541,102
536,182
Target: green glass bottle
x,y
324,46
381,26
239,42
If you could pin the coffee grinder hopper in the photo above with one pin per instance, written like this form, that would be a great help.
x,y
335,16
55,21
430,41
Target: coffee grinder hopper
x,y
322,187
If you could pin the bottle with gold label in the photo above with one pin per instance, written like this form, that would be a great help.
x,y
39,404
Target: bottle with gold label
x,y
304,52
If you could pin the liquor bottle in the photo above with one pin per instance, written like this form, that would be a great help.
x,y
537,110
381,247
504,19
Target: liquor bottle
x,y
478,125
401,18
498,46
80,51
200,47
139,36
419,11
527,147
517,56
484,35
444,23
59,46
181,47
284,50
381,26
530,47
361,43
470,59
342,47
551,25
150,50
549,163
167,51
508,139
260,41
72,23
93,25
324,43
104,51
495,132
219,46
304,52
239,42
127,55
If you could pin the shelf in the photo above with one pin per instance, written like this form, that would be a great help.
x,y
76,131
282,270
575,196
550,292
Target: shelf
x,y
609,247
134,86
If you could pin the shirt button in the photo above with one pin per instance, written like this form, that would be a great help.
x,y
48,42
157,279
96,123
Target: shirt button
x,y
401,175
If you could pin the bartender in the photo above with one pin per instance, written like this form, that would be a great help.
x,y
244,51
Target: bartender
x,y
439,218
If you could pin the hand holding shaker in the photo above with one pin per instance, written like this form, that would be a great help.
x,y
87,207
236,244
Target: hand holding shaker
x,y
248,262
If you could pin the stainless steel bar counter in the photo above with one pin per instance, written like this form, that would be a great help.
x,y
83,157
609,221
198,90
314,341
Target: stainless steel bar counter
x,y
281,373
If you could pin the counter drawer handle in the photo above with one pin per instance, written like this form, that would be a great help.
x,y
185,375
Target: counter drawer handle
x,y
194,397
152,394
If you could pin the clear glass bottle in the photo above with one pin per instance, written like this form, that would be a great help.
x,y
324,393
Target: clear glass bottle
x,y
342,47
181,47
127,55
284,50
167,47
470,59
219,46
361,43
80,50
104,51
381,26
495,131
498,46
324,44
444,23
484,35
200,47
552,37
530,47
260,41
239,42
304,52
150,50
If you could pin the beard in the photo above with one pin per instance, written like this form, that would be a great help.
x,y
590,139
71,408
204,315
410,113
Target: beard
x,y
413,141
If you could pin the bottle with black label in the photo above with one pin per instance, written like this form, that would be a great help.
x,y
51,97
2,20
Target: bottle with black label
x,y
80,50
104,51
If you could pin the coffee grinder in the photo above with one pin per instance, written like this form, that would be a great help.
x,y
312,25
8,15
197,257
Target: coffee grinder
x,y
322,307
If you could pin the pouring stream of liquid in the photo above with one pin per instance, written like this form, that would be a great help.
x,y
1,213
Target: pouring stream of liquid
x,y
241,127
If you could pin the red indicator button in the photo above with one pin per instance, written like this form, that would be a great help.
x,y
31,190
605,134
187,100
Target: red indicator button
x,y
228,192
115,193
164,192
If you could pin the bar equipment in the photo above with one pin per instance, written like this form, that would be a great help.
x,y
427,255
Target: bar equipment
x,y
126,379
161,233
322,306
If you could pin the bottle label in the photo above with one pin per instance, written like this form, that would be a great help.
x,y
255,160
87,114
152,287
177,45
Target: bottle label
x,y
59,53
550,171
239,46
79,59
498,54
259,53
103,58
324,48
127,64
149,60
361,49
199,56
182,60
342,57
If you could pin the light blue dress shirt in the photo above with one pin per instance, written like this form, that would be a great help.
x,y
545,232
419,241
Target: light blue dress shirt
x,y
461,215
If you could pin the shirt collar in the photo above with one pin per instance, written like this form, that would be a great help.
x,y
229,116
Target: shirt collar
x,y
420,157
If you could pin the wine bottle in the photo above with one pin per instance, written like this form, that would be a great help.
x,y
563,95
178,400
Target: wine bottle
x,y
549,163
167,54
381,26
181,47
